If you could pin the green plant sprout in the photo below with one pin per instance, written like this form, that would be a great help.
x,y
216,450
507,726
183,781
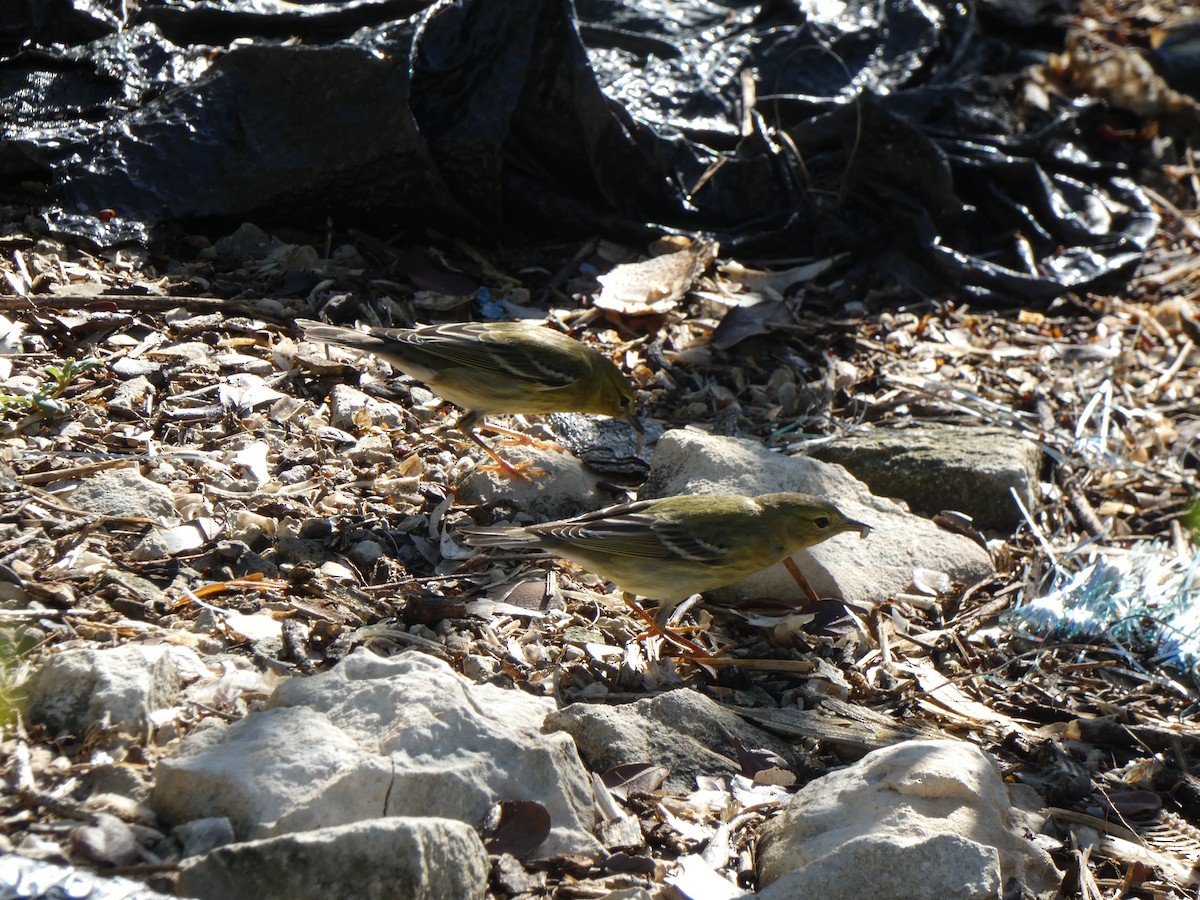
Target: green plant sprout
x,y
14,643
1191,519
45,399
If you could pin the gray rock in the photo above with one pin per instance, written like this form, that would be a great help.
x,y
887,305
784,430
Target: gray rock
x,y
479,667
375,737
202,835
365,554
116,688
425,403
371,450
248,240
854,569
568,487
160,543
108,841
931,868
511,878
941,467
402,858
682,730
123,492
922,820
143,589
352,410
267,765
134,394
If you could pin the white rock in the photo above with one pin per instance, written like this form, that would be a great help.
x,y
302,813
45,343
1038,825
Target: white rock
x,y
922,820
846,566
352,410
370,450
267,765
123,492
161,542
383,858
374,737
114,687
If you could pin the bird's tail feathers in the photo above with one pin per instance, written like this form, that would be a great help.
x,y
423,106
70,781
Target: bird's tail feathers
x,y
497,536
336,334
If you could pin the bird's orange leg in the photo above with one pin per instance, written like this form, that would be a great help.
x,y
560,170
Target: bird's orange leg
x,y
688,646
468,422
516,437
791,566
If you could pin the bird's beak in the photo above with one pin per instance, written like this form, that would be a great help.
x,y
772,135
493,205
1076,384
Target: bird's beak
x,y
863,528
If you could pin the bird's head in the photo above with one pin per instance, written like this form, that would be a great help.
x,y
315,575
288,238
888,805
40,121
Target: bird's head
x,y
803,520
614,395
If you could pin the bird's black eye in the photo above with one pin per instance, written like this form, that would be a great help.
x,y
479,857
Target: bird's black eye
x,y
625,402
821,521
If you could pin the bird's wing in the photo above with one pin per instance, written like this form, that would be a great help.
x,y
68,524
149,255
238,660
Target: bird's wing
x,y
634,530
483,348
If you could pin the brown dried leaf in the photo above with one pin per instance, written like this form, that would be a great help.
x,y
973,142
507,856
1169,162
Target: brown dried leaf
x,y
516,827
634,778
654,286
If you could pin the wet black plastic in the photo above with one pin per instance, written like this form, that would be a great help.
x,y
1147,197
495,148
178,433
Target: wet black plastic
x,y
885,130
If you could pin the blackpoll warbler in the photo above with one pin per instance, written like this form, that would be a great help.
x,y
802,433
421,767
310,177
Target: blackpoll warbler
x,y
495,367
671,548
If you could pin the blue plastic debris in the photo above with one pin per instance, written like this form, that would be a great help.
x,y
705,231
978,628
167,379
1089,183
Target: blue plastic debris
x,y
1146,602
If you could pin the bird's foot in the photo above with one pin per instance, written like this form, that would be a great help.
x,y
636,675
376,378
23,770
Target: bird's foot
x,y
690,647
517,438
522,471
524,440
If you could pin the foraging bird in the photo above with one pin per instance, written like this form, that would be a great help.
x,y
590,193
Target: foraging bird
x,y
671,548
496,367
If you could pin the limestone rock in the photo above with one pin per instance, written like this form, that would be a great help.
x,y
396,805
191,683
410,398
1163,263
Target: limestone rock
x,y
117,687
846,566
939,467
922,820
352,410
568,487
682,730
394,857
375,737
371,450
123,492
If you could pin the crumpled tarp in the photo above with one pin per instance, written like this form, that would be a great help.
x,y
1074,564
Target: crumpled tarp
x,y
881,129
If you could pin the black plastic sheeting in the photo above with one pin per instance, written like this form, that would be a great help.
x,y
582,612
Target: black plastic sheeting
x,y
884,129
